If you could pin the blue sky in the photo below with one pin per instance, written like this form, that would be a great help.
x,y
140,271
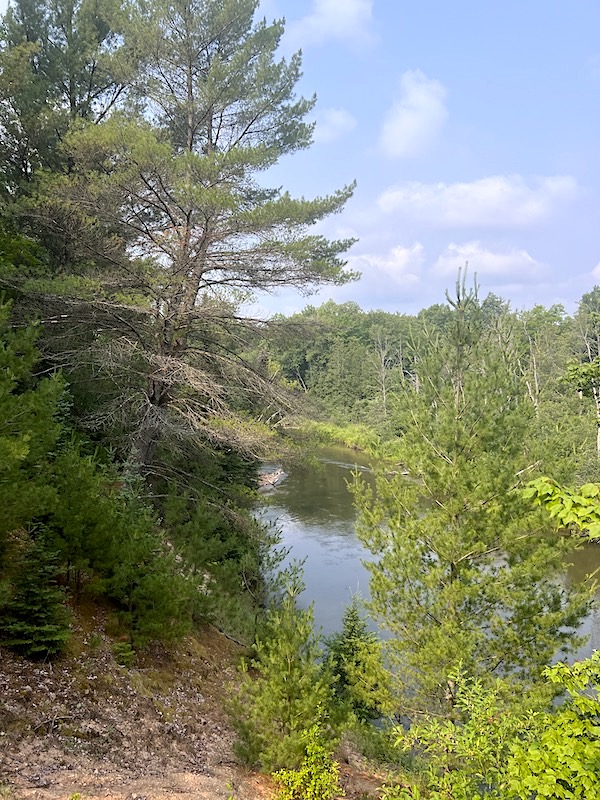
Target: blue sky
x,y
473,131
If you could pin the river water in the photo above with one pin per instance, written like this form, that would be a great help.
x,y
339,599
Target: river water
x,y
312,508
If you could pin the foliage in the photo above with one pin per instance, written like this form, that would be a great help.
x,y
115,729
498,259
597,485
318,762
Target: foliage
x,y
97,537
155,595
501,749
317,777
124,654
29,432
359,437
58,62
355,657
582,372
284,691
564,759
577,509
464,570
33,619
466,758
206,504
347,361
377,744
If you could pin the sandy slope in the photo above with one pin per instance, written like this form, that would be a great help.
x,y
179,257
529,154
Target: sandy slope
x,y
85,725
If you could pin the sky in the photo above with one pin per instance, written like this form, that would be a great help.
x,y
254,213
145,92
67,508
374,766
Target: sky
x,y
472,129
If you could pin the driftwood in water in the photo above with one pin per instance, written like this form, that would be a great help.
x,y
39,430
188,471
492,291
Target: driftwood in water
x,y
268,480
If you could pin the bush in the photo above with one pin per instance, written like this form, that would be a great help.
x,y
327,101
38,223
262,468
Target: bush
x,y
284,692
317,777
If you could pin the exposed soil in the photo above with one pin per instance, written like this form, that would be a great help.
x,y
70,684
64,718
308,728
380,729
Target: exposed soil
x,y
84,725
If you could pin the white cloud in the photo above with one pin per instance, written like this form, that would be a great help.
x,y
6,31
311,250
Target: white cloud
x,y
332,124
333,19
401,265
500,200
414,121
596,272
505,264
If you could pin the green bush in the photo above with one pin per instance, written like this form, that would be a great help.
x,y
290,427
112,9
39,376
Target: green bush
x,y
124,654
317,777
507,750
284,692
563,761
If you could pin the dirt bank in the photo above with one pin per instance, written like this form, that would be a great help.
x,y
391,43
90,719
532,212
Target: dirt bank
x,y
86,725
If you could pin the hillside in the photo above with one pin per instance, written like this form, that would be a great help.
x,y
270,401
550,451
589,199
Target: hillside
x,y
86,726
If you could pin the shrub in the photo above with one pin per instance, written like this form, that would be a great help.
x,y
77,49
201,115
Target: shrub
x,y
317,777
284,692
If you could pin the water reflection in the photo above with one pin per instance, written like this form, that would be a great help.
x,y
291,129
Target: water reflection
x,y
313,510
584,562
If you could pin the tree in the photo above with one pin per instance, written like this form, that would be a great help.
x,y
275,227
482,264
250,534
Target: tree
x,y
179,227
355,656
289,693
584,374
34,620
29,431
59,62
463,571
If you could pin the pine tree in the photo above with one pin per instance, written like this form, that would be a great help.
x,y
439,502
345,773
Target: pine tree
x,y
464,573
29,430
355,657
59,62
171,216
285,692
34,620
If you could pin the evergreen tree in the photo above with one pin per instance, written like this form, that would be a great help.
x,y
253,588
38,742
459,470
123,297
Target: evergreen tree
x,y
109,541
288,693
29,430
59,62
463,572
33,619
172,210
355,657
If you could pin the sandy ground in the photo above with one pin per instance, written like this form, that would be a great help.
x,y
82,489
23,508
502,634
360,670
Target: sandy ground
x,y
85,727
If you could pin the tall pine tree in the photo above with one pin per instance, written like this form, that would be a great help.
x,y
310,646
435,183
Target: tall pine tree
x,y
175,228
463,572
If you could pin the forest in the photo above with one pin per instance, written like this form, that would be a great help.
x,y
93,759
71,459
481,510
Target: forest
x,y
138,401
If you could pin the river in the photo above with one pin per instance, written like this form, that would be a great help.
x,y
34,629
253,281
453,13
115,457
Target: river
x,y
312,508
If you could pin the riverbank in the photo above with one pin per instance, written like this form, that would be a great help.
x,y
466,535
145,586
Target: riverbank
x,y
87,727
